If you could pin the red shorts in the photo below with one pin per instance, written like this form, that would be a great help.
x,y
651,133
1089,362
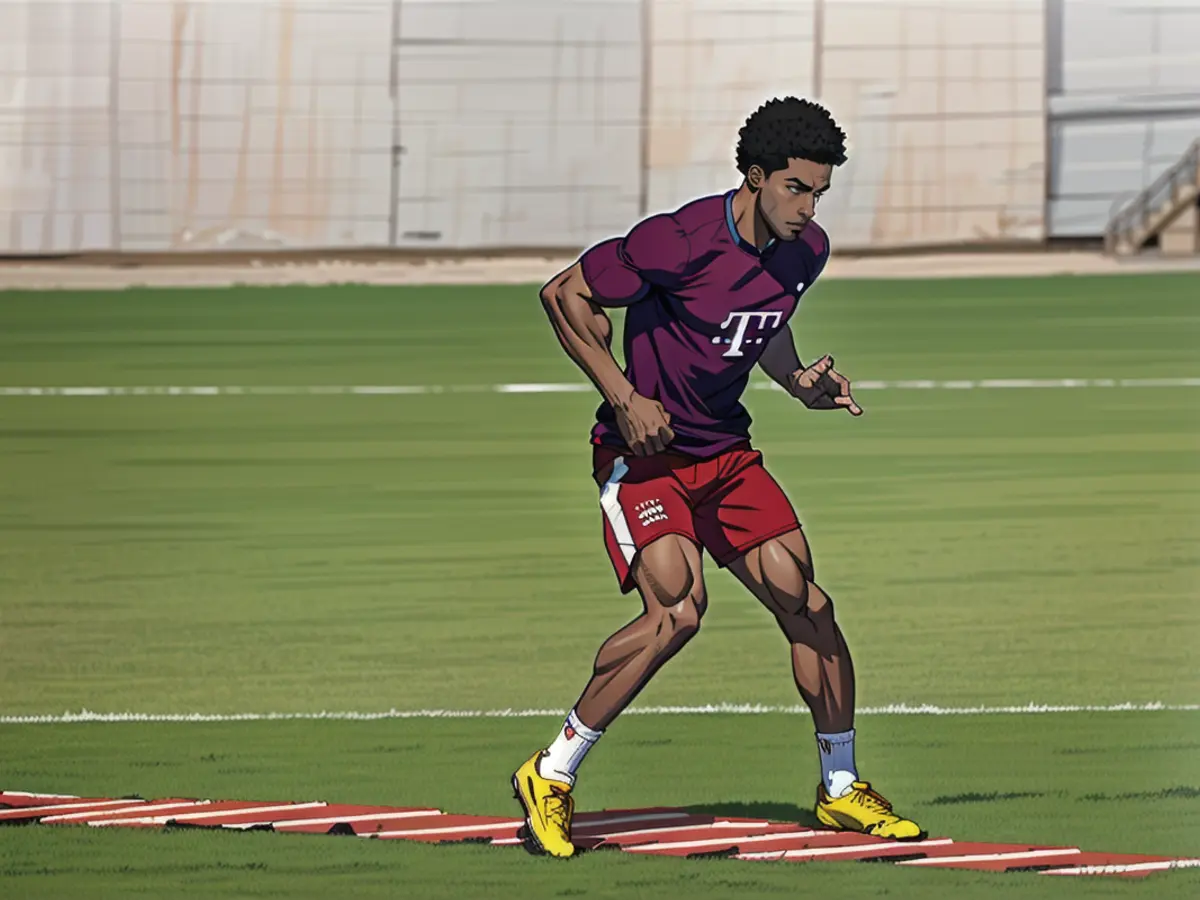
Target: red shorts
x,y
728,504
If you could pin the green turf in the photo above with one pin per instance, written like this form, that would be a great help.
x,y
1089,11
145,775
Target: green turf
x,y
159,553
1118,782
233,554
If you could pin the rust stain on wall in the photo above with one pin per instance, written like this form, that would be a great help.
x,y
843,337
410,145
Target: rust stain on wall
x,y
180,14
325,197
50,164
884,203
194,147
283,83
237,205
311,163
671,145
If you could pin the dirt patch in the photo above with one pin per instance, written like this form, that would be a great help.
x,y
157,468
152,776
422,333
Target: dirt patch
x,y
534,270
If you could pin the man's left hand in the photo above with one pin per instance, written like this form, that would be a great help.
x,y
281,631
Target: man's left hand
x,y
821,386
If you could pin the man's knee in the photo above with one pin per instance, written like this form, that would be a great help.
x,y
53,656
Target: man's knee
x,y
812,621
789,579
681,621
668,573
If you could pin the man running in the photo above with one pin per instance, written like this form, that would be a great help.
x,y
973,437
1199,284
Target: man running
x,y
709,290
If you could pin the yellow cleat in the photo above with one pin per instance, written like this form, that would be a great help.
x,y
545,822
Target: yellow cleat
x,y
548,809
865,811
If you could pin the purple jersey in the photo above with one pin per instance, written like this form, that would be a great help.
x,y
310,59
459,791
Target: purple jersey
x,y
703,303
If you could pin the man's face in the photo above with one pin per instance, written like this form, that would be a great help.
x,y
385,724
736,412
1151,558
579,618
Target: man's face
x,y
787,200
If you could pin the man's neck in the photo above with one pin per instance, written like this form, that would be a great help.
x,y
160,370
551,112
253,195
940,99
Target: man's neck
x,y
750,225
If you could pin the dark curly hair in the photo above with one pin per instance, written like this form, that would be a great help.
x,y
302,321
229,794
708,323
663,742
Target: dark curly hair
x,y
789,128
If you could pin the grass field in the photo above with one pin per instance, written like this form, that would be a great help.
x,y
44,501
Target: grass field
x,y
301,553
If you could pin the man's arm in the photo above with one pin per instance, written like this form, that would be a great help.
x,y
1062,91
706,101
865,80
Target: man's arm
x,y
780,360
618,272
585,332
819,386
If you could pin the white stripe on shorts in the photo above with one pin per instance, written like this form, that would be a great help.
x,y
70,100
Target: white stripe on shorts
x,y
611,504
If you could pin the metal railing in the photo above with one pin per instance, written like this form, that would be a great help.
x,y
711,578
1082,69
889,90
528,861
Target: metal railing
x,y
1132,223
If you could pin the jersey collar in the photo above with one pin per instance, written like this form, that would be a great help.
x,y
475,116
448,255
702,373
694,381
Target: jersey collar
x,y
733,232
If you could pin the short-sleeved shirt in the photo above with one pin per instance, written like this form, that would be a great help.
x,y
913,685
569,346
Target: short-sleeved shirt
x,y
702,305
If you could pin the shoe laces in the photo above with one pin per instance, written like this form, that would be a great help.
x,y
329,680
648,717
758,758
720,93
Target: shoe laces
x,y
874,801
558,807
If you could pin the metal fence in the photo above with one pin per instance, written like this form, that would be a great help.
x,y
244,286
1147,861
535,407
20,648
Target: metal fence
x,y
145,125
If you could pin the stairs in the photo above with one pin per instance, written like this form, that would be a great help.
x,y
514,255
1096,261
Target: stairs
x,y
1168,209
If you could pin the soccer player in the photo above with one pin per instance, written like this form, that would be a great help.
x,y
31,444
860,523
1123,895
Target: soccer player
x,y
709,290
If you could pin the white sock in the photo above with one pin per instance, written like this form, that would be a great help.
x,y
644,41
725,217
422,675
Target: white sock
x,y
562,758
838,771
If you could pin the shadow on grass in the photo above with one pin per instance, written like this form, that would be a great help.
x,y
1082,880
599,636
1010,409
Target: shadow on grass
x,y
1182,792
992,797
759,809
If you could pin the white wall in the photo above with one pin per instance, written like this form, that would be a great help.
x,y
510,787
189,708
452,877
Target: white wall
x,y
519,121
168,124
712,63
148,125
945,102
56,131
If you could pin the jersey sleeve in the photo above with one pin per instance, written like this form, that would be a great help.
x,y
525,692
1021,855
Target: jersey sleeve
x,y
655,253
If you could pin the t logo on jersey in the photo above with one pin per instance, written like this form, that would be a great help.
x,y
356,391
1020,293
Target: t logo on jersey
x,y
742,320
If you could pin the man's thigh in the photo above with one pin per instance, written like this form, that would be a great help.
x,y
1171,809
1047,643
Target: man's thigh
x,y
641,502
746,509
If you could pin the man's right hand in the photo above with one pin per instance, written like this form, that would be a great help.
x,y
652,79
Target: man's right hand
x,y
644,424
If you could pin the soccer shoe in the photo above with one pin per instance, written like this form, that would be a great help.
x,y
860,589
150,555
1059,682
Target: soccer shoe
x,y
548,809
866,811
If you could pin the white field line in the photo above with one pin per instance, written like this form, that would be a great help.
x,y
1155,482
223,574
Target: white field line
x,y
121,811
991,857
607,820
41,796
709,827
543,388
895,709
597,822
335,820
809,852
97,805
456,829
1122,868
720,842
581,828
586,829
199,817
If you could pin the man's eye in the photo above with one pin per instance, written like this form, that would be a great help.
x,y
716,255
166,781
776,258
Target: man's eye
x,y
793,189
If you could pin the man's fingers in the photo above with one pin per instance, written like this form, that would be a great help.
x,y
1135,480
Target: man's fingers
x,y
809,377
820,401
657,441
820,367
847,401
844,399
638,442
